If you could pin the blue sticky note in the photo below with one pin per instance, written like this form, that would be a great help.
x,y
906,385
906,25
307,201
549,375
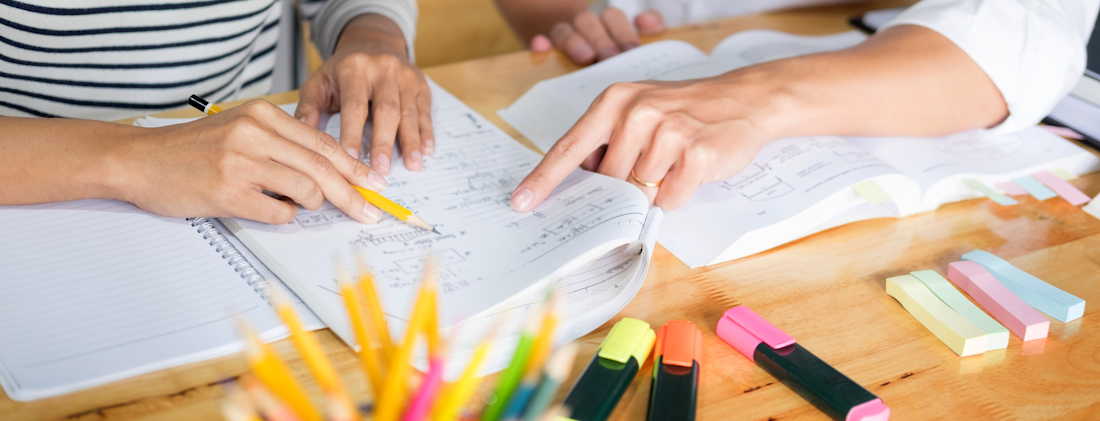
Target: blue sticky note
x,y
1035,292
990,193
1034,187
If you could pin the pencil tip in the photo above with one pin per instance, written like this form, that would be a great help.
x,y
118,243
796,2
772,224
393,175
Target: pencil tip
x,y
436,231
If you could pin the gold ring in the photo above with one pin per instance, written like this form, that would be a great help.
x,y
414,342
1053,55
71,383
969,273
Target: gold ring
x,y
645,183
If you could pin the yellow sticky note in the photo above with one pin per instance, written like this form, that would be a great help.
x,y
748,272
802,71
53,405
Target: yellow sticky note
x,y
954,330
1063,174
872,192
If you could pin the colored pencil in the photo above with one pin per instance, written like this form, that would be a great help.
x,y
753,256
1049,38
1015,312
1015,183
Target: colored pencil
x,y
273,373
312,353
393,391
557,370
459,393
368,359
510,377
366,284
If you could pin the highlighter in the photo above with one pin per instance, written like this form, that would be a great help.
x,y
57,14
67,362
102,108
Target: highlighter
x,y
607,376
676,364
816,381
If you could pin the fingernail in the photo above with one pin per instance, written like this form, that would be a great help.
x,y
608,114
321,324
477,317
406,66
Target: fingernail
x,y
582,52
372,213
382,164
608,52
541,44
352,152
417,159
302,119
376,181
521,199
429,146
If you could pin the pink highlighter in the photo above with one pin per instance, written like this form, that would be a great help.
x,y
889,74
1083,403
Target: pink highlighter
x,y
816,381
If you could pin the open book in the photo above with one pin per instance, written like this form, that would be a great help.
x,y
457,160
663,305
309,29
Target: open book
x,y
799,186
591,240
98,290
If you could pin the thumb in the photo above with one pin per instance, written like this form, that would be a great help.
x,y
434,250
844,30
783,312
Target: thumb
x,y
650,22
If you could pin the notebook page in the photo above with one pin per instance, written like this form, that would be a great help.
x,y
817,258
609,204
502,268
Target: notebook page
x,y
98,290
759,45
486,253
545,112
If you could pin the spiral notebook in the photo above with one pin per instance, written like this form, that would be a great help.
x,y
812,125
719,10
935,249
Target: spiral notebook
x,y
99,290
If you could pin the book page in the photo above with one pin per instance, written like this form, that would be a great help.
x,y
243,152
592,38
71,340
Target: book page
x,y
545,112
801,182
485,252
938,164
761,45
99,290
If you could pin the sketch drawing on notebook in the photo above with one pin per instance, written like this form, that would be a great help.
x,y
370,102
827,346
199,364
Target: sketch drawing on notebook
x,y
800,186
99,290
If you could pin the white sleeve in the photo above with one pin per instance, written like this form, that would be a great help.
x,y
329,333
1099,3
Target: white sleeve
x,y
330,21
1033,50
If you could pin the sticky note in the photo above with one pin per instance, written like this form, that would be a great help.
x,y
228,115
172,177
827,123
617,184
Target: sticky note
x,y
953,329
988,192
998,335
1060,186
1034,187
1016,315
872,192
1011,188
1035,292
1093,208
1063,174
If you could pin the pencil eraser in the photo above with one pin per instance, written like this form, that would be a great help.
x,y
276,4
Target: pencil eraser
x,y
998,300
869,411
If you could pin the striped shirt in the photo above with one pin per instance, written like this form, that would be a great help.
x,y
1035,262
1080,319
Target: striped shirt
x,y
113,59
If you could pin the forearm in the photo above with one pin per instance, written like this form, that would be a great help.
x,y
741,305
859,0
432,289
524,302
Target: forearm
x,y
532,17
906,81
374,34
51,160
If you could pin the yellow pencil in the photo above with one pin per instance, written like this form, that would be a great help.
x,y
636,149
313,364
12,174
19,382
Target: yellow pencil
x,y
310,350
366,284
373,197
456,395
540,350
367,357
273,372
390,402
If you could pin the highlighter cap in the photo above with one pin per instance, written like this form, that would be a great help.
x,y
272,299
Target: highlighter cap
x,y
628,338
744,330
680,343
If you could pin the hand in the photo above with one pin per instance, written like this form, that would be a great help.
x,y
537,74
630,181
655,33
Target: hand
x,y
369,73
591,38
220,165
679,134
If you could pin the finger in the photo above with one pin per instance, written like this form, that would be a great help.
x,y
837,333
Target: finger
x,y
312,100
280,179
327,183
680,183
650,22
257,206
541,44
424,107
591,28
409,128
386,111
631,137
355,92
619,26
572,44
657,159
318,142
591,131
593,161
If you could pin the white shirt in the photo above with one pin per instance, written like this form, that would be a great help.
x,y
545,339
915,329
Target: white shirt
x,y
1033,50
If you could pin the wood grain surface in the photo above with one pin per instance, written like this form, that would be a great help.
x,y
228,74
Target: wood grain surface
x,y
827,290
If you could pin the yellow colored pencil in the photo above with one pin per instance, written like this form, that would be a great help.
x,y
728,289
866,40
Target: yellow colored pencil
x,y
269,406
540,350
390,402
373,197
457,394
310,350
394,209
368,359
273,373
366,284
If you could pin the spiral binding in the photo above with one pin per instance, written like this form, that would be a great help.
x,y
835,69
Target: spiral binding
x,y
233,256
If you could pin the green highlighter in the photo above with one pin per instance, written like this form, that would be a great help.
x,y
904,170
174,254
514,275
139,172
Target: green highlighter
x,y
606,378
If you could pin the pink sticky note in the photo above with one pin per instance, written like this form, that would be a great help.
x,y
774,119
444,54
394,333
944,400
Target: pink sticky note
x,y
1016,315
1011,188
1060,186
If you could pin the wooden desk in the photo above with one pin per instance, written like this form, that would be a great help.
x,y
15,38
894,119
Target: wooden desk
x,y
827,290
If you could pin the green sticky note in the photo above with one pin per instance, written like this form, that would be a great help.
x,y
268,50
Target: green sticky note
x,y
872,192
998,335
988,192
1063,174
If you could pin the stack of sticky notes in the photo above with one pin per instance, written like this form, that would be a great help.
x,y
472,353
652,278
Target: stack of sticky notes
x,y
1008,293
1041,185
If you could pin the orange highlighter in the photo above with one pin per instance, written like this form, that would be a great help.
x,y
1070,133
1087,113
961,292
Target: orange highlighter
x,y
676,364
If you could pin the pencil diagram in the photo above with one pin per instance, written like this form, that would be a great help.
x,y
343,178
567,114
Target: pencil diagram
x,y
757,184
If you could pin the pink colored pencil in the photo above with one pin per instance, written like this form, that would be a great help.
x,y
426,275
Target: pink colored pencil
x,y
425,397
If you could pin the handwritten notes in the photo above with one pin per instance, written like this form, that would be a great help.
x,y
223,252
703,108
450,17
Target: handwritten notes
x,y
954,330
